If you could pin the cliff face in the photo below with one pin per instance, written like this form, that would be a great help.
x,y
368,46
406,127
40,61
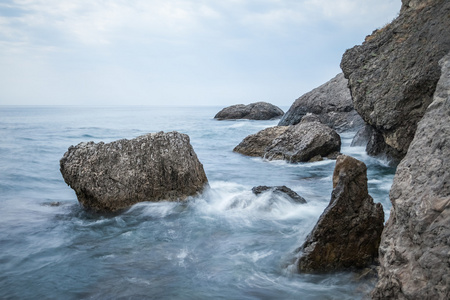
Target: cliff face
x,y
415,244
393,74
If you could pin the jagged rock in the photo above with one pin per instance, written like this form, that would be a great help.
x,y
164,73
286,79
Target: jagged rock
x,y
253,111
280,190
348,232
152,167
415,245
297,143
332,103
393,74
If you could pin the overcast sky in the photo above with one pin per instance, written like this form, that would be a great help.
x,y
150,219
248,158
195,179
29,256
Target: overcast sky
x,y
177,52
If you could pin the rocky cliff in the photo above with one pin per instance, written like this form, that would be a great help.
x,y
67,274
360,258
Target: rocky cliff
x,y
415,245
393,74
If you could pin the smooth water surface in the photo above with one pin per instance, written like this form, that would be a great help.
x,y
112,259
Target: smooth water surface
x,y
225,244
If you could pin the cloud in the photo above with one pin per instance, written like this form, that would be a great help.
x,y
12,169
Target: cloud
x,y
177,49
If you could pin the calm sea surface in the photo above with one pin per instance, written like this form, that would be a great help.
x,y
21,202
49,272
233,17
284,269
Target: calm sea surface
x,y
224,244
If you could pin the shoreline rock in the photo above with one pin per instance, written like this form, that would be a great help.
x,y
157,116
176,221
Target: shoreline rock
x,y
252,111
152,167
393,74
415,245
297,143
331,102
347,234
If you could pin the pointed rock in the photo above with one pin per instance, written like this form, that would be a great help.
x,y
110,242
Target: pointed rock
x,y
348,232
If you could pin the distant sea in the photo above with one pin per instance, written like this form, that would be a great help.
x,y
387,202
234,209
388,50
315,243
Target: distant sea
x,y
225,244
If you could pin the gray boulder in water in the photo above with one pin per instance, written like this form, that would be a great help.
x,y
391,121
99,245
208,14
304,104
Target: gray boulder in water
x,y
348,232
252,111
297,143
152,167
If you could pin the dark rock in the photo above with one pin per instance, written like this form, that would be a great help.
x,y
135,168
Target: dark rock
x,y
298,143
253,111
393,74
152,167
331,102
415,245
348,232
280,190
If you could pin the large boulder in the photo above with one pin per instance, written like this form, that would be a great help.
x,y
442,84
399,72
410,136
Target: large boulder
x,y
393,74
348,232
252,111
332,103
256,144
297,143
152,167
415,245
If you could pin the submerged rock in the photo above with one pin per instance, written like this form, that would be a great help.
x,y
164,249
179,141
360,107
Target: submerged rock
x,y
331,102
415,245
297,143
348,232
252,111
280,190
152,167
393,74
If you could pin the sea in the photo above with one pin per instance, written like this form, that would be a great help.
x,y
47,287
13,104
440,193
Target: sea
x,y
226,243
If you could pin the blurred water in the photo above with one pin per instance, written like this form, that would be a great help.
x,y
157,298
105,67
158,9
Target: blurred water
x,y
225,244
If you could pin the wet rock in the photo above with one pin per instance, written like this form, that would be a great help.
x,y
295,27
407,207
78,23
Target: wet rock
x,y
297,143
253,111
348,232
415,245
279,190
331,102
256,144
152,167
393,74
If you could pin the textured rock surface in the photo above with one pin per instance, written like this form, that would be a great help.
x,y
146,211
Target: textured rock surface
x,y
415,245
256,144
297,143
394,73
332,103
348,232
152,167
252,111
279,190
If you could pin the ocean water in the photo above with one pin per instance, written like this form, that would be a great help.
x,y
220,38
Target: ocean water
x,y
225,244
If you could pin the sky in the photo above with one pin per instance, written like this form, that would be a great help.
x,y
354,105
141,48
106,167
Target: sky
x,y
177,52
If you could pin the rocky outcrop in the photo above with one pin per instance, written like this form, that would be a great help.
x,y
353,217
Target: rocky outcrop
x,y
415,245
393,74
152,167
297,143
332,103
348,232
279,190
252,111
